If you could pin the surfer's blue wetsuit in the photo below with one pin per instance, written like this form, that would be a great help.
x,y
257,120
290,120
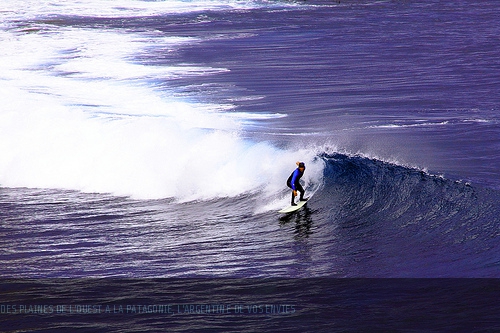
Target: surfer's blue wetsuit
x,y
294,184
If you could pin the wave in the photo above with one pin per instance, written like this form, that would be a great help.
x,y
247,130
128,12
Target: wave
x,y
80,113
405,222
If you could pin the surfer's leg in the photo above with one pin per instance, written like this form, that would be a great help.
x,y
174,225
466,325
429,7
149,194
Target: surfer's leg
x,y
293,200
293,196
302,191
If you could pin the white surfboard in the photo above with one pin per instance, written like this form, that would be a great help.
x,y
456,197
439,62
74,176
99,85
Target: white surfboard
x,y
291,209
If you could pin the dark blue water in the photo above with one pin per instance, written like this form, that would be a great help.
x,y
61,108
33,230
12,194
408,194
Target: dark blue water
x,y
154,139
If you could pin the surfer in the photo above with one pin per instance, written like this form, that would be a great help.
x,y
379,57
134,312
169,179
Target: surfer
x,y
294,184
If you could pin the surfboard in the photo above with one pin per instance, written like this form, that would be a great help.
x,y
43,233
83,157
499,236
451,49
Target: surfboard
x,y
291,209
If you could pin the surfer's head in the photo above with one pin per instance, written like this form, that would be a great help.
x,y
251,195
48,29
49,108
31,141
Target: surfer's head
x,y
302,166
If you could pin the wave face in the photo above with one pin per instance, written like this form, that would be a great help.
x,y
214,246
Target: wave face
x,y
392,220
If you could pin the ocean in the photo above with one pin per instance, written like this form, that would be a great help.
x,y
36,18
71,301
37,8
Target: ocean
x,y
145,141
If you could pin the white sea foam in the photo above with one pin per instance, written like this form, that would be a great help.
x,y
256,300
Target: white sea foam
x,y
77,112
29,9
111,8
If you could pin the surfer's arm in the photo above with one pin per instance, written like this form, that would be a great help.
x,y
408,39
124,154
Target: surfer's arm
x,y
294,178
